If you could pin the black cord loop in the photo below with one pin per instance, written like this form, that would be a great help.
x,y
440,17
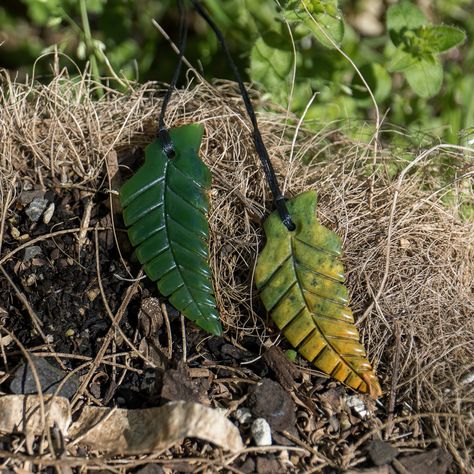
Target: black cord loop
x,y
278,197
163,133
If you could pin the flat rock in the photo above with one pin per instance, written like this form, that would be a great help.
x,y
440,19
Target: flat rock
x,y
36,208
27,196
435,461
150,469
49,376
381,452
268,465
270,401
373,470
178,385
31,252
248,466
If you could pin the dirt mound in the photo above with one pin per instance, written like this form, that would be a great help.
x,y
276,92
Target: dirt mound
x,y
409,256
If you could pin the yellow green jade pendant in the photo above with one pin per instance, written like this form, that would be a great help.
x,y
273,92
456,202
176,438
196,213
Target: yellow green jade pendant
x,y
301,281
165,205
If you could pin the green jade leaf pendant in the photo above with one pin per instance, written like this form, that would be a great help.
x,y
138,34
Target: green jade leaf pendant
x,y
165,206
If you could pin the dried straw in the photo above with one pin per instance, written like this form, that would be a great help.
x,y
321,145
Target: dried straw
x,y
409,255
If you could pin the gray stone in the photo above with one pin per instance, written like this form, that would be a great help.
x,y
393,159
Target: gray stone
x,y
28,195
381,452
49,376
36,208
270,401
31,252
261,432
243,415
150,469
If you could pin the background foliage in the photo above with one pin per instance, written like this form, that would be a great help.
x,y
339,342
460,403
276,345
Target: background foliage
x,y
413,54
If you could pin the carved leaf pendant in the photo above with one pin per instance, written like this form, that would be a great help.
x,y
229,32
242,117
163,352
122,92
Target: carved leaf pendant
x,y
165,205
301,281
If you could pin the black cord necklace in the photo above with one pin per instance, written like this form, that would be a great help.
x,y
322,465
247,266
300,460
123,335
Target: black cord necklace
x,y
299,273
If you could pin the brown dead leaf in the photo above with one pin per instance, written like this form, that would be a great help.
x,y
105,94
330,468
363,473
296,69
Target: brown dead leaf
x,y
21,413
123,431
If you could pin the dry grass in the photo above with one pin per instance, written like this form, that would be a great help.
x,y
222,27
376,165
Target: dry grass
x,y
409,256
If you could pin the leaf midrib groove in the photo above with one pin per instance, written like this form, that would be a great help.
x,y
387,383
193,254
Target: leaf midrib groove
x,y
165,202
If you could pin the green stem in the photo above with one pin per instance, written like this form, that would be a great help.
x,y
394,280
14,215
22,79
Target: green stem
x,y
90,45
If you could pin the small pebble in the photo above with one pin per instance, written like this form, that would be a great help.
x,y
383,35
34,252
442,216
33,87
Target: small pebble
x,y
15,233
27,195
243,415
31,252
49,377
358,405
261,432
48,214
381,452
92,294
69,332
36,208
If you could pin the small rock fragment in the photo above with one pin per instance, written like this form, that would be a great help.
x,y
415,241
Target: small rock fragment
x,y
435,461
177,385
151,469
31,252
373,470
15,233
36,208
268,465
261,432
28,195
49,376
381,452
358,405
248,466
48,214
270,401
243,415
92,294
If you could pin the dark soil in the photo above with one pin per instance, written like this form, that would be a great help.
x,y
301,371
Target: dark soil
x,y
61,286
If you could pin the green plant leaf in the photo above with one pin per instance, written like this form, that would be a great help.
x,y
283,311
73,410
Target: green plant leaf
x,y
271,68
301,282
332,26
401,60
402,17
165,207
440,38
425,76
321,17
